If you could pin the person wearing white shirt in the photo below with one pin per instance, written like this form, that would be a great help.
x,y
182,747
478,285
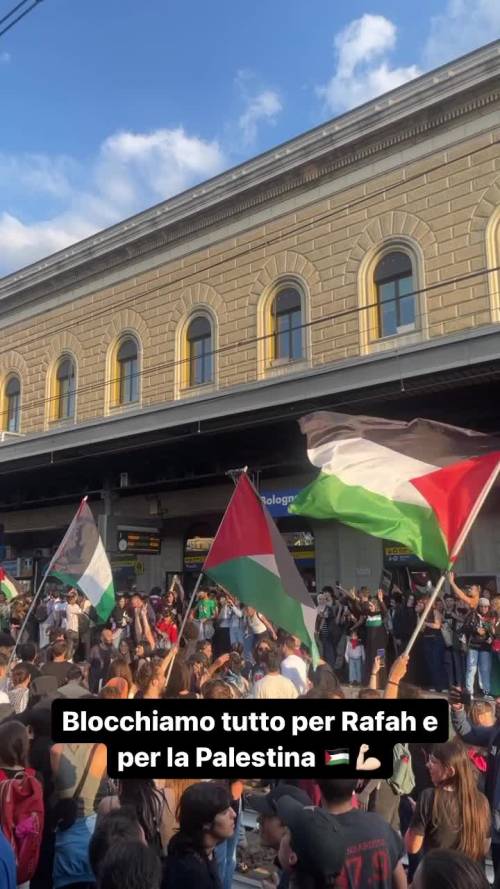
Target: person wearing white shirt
x,y
71,622
293,667
273,684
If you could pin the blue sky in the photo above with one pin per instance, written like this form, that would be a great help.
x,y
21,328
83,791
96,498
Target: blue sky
x,y
109,106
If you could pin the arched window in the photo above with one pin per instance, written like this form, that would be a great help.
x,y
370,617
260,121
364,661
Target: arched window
x,y
12,404
128,372
287,325
200,351
65,389
396,300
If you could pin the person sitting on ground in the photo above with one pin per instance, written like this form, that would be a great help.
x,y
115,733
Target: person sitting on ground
x,y
293,666
206,818
19,690
364,834
59,665
130,865
273,684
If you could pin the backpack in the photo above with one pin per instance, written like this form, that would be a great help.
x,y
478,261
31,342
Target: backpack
x,y
402,780
21,819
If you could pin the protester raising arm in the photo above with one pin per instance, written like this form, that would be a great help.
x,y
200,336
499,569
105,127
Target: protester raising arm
x,y
398,672
471,599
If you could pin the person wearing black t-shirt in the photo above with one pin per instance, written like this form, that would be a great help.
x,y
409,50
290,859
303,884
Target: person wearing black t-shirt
x,y
374,851
59,666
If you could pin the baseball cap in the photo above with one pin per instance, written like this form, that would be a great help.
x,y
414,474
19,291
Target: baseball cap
x,y
266,804
484,601
316,838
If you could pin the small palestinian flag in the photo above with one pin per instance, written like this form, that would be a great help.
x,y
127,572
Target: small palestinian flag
x,y
81,561
337,757
419,483
7,585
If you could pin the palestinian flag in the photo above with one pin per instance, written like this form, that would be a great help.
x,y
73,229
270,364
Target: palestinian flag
x,y
8,586
81,561
249,558
419,483
337,757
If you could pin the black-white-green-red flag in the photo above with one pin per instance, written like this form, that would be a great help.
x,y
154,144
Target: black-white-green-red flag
x,y
420,483
81,561
249,558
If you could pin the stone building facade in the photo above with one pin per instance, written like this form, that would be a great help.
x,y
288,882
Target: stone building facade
x,y
369,245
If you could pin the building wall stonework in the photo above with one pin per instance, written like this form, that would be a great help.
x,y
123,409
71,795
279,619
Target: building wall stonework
x,y
442,204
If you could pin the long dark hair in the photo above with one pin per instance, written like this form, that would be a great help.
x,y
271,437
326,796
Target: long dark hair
x,y
471,815
142,796
14,744
446,869
198,808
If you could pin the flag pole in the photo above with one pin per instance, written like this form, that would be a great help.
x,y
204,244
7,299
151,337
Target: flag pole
x,y
29,613
454,553
40,587
234,475
183,624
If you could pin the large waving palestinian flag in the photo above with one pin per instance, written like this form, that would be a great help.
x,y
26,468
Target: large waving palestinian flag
x,y
417,483
81,561
249,558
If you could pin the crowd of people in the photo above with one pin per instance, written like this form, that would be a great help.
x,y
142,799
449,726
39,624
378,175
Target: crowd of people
x,y
65,823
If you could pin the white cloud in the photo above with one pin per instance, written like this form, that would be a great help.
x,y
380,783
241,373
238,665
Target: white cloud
x,y
363,70
263,107
130,172
465,25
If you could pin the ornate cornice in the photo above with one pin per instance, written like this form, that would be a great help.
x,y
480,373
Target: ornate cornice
x,y
410,113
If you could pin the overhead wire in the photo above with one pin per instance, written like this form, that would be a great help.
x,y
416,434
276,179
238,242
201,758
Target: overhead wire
x,y
251,341
19,17
291,228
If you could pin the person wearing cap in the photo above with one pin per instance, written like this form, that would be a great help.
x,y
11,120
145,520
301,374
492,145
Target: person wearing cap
x,y
374,851
271,826
312,850
479,626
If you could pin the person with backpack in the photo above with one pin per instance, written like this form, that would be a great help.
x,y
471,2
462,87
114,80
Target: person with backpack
x,y
22,813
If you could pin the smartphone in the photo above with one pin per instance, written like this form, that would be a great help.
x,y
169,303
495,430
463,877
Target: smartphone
x,y
381,656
